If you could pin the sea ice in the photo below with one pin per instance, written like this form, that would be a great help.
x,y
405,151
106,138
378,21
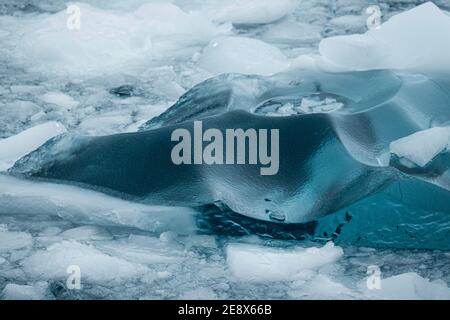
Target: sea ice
x,y
79,205
107,40
252,11
15,147
14,291
12,240
292,32
15,114
406,41
242,55
409,286
263,264
95,266
60,99
321,287
423,146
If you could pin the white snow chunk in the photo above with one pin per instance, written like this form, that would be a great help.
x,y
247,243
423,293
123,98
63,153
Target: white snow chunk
x,y
242,55
14,291
252,11
94,265
12,240
261,264
60,99
409,286
15,147
423,146
408,40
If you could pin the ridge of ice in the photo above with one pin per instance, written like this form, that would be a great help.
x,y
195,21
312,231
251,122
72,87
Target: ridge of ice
x,y
242,55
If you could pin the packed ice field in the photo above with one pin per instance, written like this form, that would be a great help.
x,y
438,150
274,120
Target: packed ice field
x,y
128,61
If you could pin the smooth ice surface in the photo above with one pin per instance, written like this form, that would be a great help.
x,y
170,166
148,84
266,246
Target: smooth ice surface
x,y
15,147
406,41
242,55
423,146
258,264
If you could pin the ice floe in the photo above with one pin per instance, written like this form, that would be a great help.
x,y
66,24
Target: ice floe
x,y
108,40
409,286
95,265
265,264
242,55
12,240
412,40
13,291
252,11
422,147
15,147
80,205
60,99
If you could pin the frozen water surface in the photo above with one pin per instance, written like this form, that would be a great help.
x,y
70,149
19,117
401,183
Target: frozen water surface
x,y
130,62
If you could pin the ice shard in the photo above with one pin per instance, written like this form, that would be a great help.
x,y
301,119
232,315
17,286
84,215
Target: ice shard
x,y
336,131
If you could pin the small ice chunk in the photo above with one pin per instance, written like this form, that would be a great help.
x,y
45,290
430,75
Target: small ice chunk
x,y
242,55
262,264
409,286
108,41
406,41
15,147
60,99
252,11
14,291
84,233
19,196
94,265
12,240
321,287
292,32
423,146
